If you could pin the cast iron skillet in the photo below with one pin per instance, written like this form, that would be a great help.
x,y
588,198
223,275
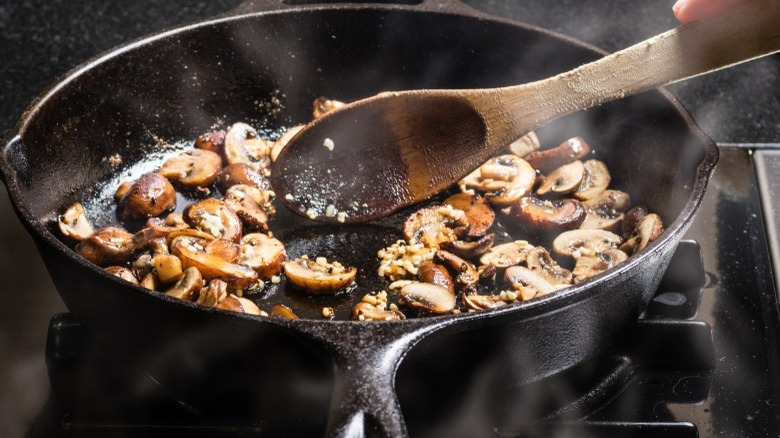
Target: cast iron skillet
x,y
174,85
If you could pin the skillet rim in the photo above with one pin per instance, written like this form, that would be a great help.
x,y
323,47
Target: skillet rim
x,y
569,296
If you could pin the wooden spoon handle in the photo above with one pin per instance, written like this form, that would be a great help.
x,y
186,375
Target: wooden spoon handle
x,y
742,34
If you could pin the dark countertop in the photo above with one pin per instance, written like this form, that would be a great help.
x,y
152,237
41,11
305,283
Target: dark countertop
x,y
42,39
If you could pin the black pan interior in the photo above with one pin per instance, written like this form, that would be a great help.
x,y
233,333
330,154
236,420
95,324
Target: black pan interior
x,y
267,69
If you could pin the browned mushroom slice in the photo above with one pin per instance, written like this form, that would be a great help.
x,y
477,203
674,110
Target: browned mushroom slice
x,y
193,168
192,253
478,213
237,304
647,230
282,311
605,211
525,145
564,179
167,268
248,210
74,223
123,273
536,215
550,159
540,261
188,287
248,306
595,180
507,254
192,232
226,249
323,105
213,141
107,246
583,243
262,253
433,273
432,226
122,190
319,276
214,217
528,283
518,186
150,196
171,223
466,271
150,282
428,298
242,173
470,249
282,141
587,267
212,294
482,302
369,312
244,145
631,219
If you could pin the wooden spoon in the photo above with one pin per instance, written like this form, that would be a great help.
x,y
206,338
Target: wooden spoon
x,y
377,155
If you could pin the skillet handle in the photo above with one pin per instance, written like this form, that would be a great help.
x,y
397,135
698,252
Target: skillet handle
x,y
366,357
254,6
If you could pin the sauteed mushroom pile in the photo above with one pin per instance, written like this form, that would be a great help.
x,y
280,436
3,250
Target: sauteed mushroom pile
x,y
451,258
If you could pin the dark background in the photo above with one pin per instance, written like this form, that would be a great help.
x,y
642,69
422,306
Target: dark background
x,y
43,39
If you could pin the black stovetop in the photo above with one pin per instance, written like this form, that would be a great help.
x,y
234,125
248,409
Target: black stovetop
x,y
731,393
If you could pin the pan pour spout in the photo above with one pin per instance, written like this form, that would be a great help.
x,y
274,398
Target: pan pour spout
x,y
365,360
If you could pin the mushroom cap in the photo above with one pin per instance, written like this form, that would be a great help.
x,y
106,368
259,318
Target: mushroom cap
x,y
244,145
214,217
550,159
246,208
433,273
188,287
595,180
73,223
507,254
540,261
605,211
590,266
503,179
123,273
319,278
520,278
478,213
646,230
282,311
213,141
467,275
193,168
151,195
432,226
579,243
242,173
262,253
429,298
107,246
470,249
564,179
536,215
192,252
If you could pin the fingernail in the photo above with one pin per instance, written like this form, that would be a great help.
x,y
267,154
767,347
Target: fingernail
x,y
679,5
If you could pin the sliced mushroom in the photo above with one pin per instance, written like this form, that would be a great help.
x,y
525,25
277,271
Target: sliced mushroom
x,y
535,215
107,246
282,311
323,105
587,267
212,294
121,191
528,283
584,243
244,145
171,223
192,253
550,159
564,179
150,282
280,143
74,223
478,213
482,302
213,141
123,273
525,145
192,168
192,232
320,276
467,275
369,312
248,210
226,249
507,254
150,196
214,217
595,180
262,253
540,261
428,298
504,179
605,211
433,273
631,219
142,266
432,226
167,268
470,249
188,287
648,229
249,307
242,173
